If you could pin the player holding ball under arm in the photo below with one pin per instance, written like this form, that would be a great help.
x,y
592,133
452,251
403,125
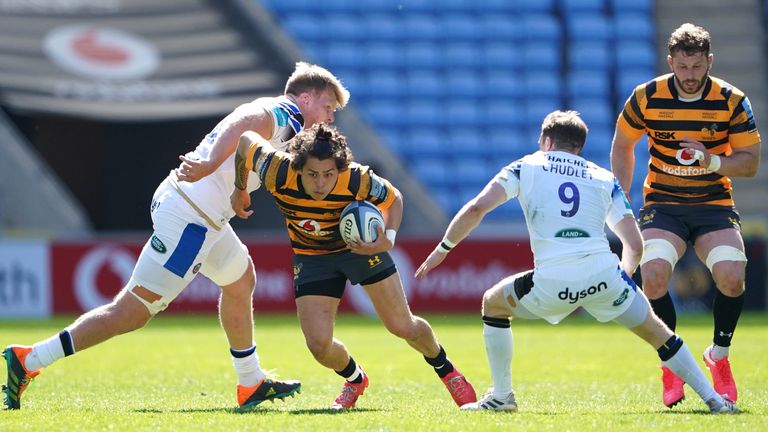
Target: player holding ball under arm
x,y
311,184
567,202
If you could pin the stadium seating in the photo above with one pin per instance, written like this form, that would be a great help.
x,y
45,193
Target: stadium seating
x,y
458,88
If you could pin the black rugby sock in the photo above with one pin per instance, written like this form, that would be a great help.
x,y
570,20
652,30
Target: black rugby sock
x,y
665,309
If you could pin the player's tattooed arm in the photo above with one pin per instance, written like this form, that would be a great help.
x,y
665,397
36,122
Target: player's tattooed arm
x,y
246,148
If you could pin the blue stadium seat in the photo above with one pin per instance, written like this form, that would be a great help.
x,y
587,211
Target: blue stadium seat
x,y
635,27
598,143
642,6
341,55
471,171
502,84
423,55
541,27
589,84
496,27
304,27
383,55
508,144
595,112
543,85
589,27
542,56
528,6
535,111
411,6
628,79
425,83
427,142
458,27
502,55
635,54
589,56
421,28
464,113
395,141
463,83
579,6
502,114
383,113
461,55
385,83
467,142
445,197
345,27
381,27
423,113
433,172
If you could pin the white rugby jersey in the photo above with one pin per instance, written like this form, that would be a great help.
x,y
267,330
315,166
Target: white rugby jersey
x,y
211,193
567,201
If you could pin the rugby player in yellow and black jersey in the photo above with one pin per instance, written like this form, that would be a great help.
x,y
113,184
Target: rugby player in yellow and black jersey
x,y
311,184
701,131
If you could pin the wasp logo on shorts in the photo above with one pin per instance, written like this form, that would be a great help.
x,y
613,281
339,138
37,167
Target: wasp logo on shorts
x,y
157,244
196,268
622,298
296,271
374,261
646,218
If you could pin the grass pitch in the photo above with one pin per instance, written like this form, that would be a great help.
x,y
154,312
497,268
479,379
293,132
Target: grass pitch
x,y
176,375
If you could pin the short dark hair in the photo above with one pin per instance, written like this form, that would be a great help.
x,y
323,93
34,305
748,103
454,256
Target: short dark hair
x,y
320,141
690,39
566,130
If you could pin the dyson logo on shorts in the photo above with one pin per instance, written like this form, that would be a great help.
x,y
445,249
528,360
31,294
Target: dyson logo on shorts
x,y
574,296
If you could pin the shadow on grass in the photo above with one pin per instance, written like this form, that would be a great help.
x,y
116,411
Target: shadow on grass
x,y
254,411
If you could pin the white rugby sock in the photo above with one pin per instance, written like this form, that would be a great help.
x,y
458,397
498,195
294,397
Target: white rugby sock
x,y
716,352
684,366
44,353
356,374
248,371
498,348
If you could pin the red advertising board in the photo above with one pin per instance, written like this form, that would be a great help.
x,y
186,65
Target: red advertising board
x,y
85,275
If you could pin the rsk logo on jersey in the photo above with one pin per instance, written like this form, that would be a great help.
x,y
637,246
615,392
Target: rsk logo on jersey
x,y
574,296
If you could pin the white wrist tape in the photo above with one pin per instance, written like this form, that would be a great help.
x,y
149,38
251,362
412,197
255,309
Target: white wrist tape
x,y
391,234
714,163
714,160
446,245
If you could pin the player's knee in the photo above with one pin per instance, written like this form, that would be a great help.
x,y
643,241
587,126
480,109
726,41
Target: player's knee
x,y
494,303
407,329
729,278
319,346
128,313
655,276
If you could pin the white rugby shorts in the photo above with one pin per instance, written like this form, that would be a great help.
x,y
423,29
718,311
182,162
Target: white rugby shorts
x,y
595,283
181,246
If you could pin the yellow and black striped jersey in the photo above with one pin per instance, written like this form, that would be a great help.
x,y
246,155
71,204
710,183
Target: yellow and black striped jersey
x,y
313,225
721,119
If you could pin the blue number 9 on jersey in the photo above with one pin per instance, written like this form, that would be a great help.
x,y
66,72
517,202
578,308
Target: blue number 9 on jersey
x,y
359,220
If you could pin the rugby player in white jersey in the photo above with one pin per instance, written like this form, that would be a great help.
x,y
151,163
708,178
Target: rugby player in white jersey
x,y
567,201
190,214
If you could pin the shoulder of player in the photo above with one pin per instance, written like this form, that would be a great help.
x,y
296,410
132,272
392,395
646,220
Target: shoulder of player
x,y
725,88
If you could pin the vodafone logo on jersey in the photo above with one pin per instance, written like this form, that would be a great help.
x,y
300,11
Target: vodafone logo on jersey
x,y
98,52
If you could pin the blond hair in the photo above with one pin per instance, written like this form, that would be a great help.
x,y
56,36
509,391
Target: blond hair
x,y
309,77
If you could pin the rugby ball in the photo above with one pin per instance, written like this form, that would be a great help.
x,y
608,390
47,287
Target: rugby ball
x,y
360,220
